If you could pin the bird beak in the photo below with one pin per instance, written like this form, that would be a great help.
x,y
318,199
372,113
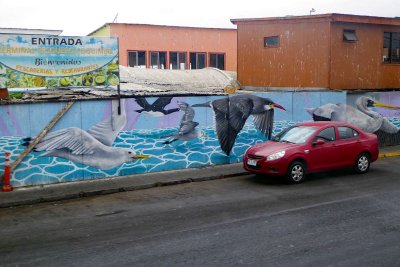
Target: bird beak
x,y
278,106
139,156
378,104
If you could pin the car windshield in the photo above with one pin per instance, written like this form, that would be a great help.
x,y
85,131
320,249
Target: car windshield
x,y
295,134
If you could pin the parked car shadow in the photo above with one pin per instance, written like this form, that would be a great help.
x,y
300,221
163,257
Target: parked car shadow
x,y
346,173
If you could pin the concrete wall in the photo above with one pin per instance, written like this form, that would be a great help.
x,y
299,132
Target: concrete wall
x,y
99,136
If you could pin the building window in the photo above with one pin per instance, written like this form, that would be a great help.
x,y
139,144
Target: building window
x,y
271,41
197,60
177,60
158,60
217,61
349,36
137,59
391,47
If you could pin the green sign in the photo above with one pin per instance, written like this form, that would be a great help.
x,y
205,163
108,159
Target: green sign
x,y
29,61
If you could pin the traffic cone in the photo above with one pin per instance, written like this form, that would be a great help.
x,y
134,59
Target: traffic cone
x,y
7,173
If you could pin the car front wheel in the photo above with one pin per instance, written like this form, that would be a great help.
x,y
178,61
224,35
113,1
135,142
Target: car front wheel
x,y
362,163
296,172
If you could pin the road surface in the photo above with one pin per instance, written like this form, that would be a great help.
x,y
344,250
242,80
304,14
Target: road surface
x,y
333,219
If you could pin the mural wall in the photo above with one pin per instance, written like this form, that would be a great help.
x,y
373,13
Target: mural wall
x,y
373,112
94,140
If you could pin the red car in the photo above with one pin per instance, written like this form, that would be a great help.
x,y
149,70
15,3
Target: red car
x,y
311,147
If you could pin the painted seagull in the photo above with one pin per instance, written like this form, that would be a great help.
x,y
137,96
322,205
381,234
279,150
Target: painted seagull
x,y
187,126
91,147
232,112
156,109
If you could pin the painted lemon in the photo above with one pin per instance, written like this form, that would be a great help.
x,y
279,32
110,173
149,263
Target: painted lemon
x,y
112,66
64,81
100,79
113,79
39,81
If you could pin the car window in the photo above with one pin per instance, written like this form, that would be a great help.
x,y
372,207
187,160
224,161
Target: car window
x,y
295,134
346,132
327,134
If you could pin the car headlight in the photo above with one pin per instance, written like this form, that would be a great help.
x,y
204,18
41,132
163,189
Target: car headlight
x,y
276,155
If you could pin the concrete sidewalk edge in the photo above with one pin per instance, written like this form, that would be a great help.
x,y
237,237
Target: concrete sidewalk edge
x,y
56,192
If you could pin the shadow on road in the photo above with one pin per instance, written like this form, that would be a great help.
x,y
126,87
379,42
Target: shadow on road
x,y
311,177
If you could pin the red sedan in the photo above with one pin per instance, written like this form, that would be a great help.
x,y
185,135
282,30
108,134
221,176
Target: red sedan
x,y
311,147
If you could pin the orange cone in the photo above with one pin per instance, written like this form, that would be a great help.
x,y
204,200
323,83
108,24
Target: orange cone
x,y
7,173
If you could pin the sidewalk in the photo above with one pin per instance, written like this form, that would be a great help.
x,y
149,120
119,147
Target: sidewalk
x,y
62,191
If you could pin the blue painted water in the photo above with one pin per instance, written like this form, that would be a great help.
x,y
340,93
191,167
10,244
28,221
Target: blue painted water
x,y
204,151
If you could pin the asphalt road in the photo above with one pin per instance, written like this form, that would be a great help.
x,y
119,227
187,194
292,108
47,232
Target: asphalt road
x,y
335,219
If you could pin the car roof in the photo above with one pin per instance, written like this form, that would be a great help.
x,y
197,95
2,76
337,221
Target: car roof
x,y
321,124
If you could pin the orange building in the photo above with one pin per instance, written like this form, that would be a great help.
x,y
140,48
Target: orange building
x,y
172,47
332,51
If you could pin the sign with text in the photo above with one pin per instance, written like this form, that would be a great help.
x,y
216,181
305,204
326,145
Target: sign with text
x,y
28,61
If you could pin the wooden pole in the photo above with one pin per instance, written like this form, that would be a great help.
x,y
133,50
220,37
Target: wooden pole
x,y
41,135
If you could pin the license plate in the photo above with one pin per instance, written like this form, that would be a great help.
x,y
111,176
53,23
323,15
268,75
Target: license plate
x,y
252,162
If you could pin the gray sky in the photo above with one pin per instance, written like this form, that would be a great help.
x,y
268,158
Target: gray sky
x,y
80,17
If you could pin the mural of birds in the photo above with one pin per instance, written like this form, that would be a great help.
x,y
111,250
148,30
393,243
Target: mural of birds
x,y
362,116
187,127
231,113
156,109
91,147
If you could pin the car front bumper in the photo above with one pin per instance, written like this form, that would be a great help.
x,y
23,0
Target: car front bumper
x,y
274,168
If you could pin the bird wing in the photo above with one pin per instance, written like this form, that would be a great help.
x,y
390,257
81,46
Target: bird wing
x,y
104,132
107,130
188,115
230,118
76,140
187,127
161,102
142,102
265,122
389,127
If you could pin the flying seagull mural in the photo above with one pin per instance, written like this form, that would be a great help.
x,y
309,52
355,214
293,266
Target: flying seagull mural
x,y
231,113
187,127
157,108
92,147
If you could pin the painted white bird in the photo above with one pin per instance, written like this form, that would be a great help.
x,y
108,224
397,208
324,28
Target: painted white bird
x,y
362,116
91,147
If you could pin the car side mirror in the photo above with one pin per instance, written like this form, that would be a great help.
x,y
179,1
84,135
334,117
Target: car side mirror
x,y
318,142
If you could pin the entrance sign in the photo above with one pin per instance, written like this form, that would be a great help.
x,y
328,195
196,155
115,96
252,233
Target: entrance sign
x,y
28,61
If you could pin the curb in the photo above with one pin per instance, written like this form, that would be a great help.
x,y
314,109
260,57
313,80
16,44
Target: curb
x,y
73,190
391,154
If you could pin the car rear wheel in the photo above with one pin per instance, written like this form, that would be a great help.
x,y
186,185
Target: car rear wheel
x,y
362,163
296,172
